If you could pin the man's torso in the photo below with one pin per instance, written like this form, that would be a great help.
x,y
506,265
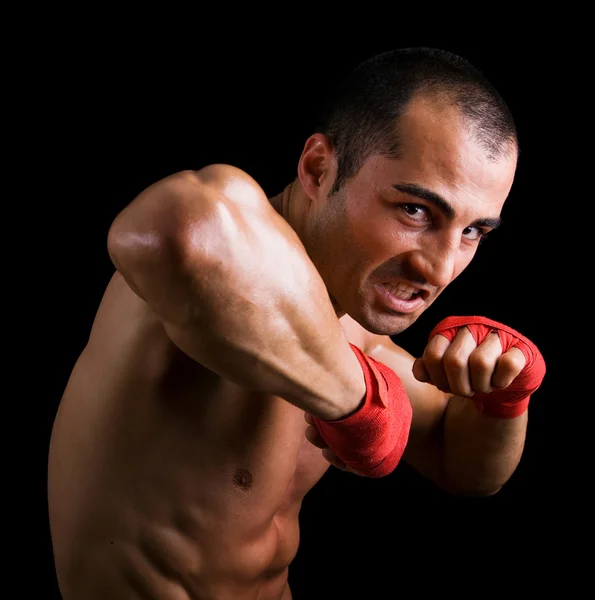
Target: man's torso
x,y
166,479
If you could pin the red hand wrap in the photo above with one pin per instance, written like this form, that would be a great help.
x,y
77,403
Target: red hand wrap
x,y
511,401
373,439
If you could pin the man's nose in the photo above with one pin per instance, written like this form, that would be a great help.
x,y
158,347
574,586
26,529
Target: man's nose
x,y
435,260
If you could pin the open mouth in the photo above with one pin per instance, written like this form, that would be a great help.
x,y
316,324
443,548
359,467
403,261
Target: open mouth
x,y
401,297
403,291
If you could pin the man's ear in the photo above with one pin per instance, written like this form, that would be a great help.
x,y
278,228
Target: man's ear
x,y
317,167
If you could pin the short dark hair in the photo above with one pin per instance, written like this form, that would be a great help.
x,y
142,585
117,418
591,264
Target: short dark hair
x,y
360,115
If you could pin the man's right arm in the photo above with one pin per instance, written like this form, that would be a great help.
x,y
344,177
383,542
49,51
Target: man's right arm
x,y
235,288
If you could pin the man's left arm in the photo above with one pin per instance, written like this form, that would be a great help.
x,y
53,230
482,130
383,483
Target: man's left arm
x,y
469,393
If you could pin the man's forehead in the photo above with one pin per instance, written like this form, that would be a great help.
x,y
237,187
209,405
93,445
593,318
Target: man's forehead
x,y
437,119
465,166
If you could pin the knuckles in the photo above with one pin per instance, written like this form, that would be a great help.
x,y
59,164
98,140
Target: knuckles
x,y
432,355
444,361
478,361
512,361
455,360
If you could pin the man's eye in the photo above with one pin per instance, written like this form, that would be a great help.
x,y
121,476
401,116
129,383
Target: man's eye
x,y
415,210
474,234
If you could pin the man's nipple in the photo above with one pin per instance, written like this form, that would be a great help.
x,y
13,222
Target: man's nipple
x,y
242,478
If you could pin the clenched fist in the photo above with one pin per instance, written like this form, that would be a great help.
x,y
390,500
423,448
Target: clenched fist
x,y
483,359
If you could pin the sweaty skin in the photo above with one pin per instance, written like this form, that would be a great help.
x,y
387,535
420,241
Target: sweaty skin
x,y
178,459
169,481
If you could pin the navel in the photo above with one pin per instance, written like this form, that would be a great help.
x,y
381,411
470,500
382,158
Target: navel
x,y
243,478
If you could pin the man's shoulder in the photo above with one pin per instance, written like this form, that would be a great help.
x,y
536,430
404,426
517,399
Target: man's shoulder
x,y
233,183
364,339
356,334
215,182
381,347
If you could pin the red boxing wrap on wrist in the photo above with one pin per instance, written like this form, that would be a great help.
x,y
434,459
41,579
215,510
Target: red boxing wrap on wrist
x,y
512,401
373,439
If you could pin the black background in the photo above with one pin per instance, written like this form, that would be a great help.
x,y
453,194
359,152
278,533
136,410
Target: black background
x,y
114,122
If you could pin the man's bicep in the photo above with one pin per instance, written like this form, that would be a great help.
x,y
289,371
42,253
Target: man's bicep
x,y
423,451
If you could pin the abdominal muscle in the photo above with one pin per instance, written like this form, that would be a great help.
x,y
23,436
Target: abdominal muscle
x,y
166,481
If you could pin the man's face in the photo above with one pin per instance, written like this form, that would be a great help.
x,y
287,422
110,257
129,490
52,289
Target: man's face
x,y
398,232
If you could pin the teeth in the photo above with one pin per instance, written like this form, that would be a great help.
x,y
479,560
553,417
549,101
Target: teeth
x,y
401,290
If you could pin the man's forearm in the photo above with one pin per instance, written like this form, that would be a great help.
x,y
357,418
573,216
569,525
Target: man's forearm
x,y
235,289
480,453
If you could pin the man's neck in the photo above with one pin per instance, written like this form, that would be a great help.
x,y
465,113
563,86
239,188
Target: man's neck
x,y
280,202
289,206
286,205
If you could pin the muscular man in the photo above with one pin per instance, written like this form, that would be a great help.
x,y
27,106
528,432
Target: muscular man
x,y
241,334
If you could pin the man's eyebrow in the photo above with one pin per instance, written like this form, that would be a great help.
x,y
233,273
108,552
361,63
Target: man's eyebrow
x,y
413,189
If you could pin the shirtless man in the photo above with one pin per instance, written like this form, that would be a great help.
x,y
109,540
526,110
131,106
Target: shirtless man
x,y
224,353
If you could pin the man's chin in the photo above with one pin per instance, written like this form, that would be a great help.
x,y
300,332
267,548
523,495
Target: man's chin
x,y
383,323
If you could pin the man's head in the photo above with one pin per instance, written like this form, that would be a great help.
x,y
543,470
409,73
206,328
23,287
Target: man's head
x,y
409,167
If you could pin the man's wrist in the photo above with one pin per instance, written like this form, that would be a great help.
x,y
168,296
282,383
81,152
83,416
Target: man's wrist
x,y
351,394
354,397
